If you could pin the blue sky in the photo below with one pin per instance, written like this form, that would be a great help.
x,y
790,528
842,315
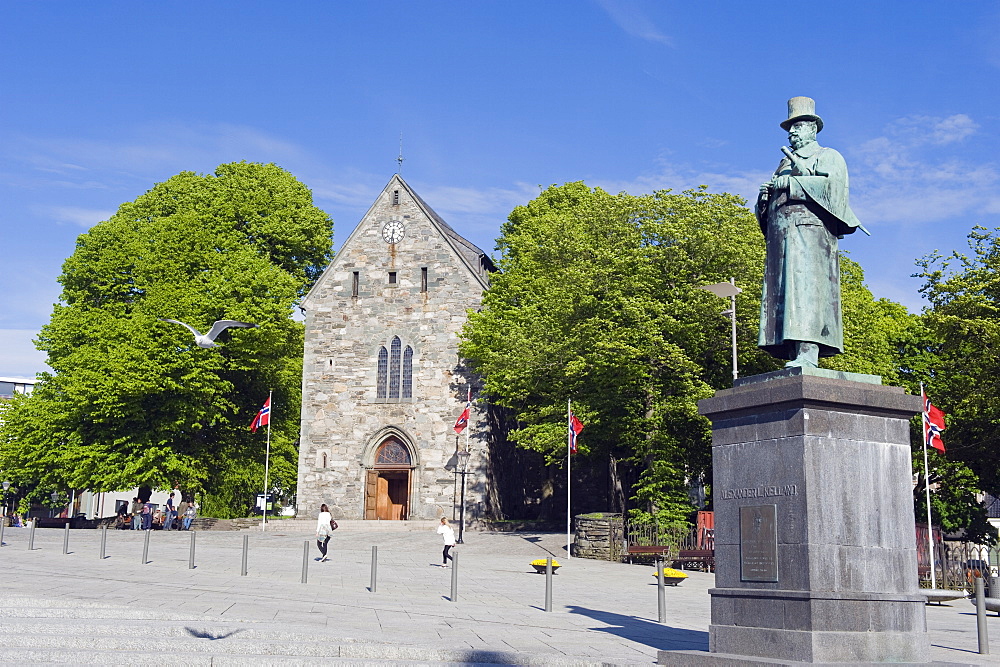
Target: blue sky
x,y
99,101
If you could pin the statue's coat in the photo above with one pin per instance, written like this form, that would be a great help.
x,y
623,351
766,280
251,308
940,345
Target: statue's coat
x,y
801,296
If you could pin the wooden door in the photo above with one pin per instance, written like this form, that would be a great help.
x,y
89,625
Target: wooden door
x,y
383,504
371,494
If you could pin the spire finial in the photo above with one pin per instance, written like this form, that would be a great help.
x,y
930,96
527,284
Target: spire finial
x,y
399,169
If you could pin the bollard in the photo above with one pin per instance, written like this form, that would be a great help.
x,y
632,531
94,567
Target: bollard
x,y
66,539
548,584
984,638
305,561
374,569
191,554
31,535
2,522
454,577
104,541
661,593
246,547
145,548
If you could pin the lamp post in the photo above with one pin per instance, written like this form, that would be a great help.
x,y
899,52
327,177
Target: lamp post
x,y
730,290
463,470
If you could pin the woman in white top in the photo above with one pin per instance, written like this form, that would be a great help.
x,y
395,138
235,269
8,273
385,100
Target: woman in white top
x,y
448,533
324,528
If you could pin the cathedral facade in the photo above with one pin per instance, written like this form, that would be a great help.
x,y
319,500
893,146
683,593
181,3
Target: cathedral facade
x,y
382,381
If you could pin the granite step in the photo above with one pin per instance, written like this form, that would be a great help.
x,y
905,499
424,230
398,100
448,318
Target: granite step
x,y
81,632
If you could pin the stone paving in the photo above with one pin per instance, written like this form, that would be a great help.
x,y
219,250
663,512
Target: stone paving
x,y
74,607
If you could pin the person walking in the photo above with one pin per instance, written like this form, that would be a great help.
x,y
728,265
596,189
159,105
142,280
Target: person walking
x,y
325,525
448,533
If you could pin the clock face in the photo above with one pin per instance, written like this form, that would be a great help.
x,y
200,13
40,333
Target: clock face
x,y
392,231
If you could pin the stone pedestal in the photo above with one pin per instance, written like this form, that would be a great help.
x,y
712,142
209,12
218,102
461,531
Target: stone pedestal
x,y
815,547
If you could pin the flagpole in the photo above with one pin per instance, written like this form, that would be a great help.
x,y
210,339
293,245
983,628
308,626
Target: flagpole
x,y
927,486
569,475
267,458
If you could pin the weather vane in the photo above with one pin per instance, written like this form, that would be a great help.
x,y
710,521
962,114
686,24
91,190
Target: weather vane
x,y
399,169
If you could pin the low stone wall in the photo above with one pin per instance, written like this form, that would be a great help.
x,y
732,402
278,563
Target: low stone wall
x,y
594,535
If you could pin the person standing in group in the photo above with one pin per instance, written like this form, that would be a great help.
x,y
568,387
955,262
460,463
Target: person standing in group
x,y
325,525
448,533
136,514
181,512
169,514
147,516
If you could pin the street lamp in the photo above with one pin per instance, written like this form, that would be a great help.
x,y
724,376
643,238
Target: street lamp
x,y
463,470
730,290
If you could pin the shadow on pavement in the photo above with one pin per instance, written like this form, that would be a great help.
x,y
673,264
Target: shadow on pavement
x,y
536,541
209,635
642,631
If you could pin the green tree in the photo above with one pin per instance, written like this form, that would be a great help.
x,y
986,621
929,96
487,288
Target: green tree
x,y
957,360
132,400
877,332
964,316
597,301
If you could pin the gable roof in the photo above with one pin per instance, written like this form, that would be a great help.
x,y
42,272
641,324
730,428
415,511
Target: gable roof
x,y
469,253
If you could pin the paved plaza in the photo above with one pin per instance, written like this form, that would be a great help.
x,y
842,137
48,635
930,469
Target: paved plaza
x,y
76,608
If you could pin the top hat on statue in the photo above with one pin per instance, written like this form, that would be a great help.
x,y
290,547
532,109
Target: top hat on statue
x,y
802,108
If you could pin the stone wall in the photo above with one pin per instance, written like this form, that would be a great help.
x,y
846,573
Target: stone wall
x,y
343,420
593,535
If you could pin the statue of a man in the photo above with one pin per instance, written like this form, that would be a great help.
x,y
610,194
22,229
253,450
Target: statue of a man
x,y
802,211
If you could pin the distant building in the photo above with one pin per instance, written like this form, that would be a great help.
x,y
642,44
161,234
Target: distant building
x,y
382,381
10,386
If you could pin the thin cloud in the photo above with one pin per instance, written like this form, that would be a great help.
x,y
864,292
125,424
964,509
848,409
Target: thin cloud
x,y
916,173
629,16
83,217
680,177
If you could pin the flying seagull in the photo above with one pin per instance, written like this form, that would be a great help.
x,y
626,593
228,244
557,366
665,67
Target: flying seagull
x,y
207,340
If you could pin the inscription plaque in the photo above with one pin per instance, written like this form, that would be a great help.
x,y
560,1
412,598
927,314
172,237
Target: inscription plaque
x,y
759,543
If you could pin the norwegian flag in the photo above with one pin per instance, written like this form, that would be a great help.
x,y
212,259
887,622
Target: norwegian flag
x,y
933,423
575,426
463,419
263,417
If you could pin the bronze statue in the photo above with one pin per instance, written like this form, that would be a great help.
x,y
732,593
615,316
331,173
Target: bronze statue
x,y
802,211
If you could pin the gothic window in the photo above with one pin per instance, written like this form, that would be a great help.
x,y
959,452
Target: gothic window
x,y
394,376
354,283
392,453
423,279
408,372
395,348
383,370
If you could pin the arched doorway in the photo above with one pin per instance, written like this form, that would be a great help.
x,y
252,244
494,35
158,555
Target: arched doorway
x,y
387,488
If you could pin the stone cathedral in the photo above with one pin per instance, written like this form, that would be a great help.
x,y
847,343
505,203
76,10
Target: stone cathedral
x,y
382,381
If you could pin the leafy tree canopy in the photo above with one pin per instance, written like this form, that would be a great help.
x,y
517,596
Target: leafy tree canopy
x,y
957,358
131,400
598,300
